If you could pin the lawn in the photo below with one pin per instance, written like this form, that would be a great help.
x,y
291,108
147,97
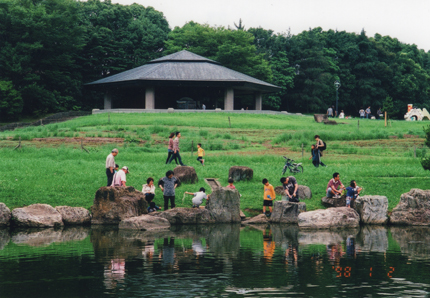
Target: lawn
x,y
52,168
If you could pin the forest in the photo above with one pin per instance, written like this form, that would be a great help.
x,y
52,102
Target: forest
x,y
50,48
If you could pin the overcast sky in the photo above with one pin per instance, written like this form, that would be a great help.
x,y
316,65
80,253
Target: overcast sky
x,y
406,20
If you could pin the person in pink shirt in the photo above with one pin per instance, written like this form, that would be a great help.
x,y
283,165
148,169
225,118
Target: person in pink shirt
x,y
334,187
230,183
170,148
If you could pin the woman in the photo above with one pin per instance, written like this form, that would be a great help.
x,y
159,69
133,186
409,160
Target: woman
x,y
320,147
170,148
148,189
176,149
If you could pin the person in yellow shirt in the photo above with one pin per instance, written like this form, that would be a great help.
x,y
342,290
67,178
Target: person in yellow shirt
x,y
200,154
269,196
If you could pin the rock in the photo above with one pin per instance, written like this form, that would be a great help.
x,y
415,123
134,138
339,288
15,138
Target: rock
x,y
320,117
144,223
74,215
113,204
307,237
186,216
413,241
304,192
413,208
329,218
239,173
332,202
185,174
373,238
37,237
5,215
287,212
224,205
37,216
258,219
279,190
4,237
372,209
75,233
242,215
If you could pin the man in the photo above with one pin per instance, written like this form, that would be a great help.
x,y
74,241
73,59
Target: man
x,y
362,113
110,166
330,112
368,113
334,187
168,185
119,178
290,188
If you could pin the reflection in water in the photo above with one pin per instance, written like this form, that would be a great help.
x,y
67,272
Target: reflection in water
x,y
215,261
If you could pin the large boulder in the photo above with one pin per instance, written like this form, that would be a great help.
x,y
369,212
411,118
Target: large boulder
x,y
239,173
5,215
279,190
186,216
224,205
113,204
413,208
304,192
74,215
372,209
37,216
186,174
329,218
144,223
320,117
258,219
287,212
334,202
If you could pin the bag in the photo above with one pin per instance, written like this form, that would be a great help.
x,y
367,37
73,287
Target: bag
x,y
323,148
294,199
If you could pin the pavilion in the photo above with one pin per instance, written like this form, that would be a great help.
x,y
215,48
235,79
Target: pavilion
x,y
160,83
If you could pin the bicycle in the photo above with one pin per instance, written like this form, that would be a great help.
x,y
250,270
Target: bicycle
x,y
293,166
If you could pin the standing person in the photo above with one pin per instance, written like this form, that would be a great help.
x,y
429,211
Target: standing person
x,y
320,147
110,166
330,112
315,156
368,113
334,187
168,185
269,196
170,148
176,149
378,113
120,178
290,188
352,193
203,107
362,113
148,189
200,154
341,115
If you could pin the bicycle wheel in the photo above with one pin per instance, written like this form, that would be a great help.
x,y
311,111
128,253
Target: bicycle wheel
x,y
297,169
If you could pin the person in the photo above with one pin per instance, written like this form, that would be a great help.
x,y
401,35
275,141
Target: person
x,y
362,113
148,189
379,113
368,113
230,183
203,107
152,207
352,193
119,179
334,187
170,148
116,168
269,196
314,156
330,112
110,166
198,197
168,185
200,154
320,147
341,115
290,188
176,149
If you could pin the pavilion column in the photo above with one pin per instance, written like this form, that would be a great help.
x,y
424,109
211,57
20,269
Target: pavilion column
x,y
258,101
149,98
108,101
229,99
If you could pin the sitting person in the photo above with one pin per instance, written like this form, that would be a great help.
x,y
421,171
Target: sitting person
x,y
152,207
198,197
230,183
290,188
148,189
341,115
352,193
334,187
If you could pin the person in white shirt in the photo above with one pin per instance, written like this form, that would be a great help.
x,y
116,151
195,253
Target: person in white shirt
x,y
198,197
110,165
119,179
148,189
341,115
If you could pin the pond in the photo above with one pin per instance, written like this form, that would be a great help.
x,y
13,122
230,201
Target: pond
x,y
216,261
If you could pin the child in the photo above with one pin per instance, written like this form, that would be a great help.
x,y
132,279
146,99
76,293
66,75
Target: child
x,y
352,192
198,197
152,207
314,153
269,196
116,168
200,153
230,183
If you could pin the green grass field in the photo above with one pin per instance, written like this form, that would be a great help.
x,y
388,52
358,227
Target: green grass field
x,y
51,168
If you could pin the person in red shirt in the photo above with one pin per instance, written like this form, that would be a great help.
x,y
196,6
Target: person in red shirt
x,y
334,187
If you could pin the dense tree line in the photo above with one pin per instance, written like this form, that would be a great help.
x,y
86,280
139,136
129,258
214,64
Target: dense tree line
x,y
50,48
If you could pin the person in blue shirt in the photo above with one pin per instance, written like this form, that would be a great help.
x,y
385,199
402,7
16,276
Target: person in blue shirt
x,y
352,193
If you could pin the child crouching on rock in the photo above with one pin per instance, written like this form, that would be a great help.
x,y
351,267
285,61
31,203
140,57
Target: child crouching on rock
x,y
198,197
352,193
152,207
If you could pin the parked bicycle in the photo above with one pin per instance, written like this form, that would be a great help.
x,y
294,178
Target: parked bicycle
x,y
292,165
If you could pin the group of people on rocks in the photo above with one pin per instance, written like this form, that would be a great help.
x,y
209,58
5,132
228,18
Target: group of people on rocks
x,y
290,193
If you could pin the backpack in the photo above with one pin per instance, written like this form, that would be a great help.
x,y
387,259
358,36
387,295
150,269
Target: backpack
x,y
323,148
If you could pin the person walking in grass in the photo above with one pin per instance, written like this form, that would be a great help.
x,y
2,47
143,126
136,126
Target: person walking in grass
x,y
320,147
110,166
120,179
176,149
168,185
314,156
334,187
200,154
290,188
269,196
198,197
170,148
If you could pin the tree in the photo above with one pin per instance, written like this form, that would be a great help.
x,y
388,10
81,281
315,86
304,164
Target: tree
x,y
425,161
10,101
